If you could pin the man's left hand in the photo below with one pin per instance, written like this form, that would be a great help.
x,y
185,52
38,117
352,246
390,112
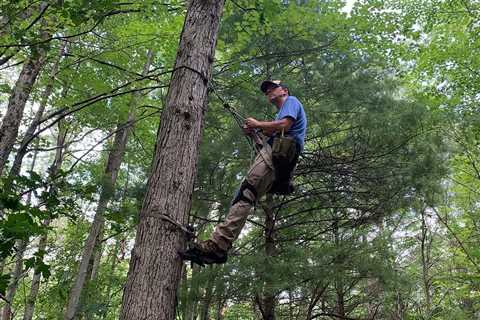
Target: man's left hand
x,y
252,123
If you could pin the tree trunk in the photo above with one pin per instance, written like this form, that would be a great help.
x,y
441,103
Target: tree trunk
x,y
425,247
339,283
32,297
113,267
207,300
399,308
42,244
22,151
317,294
17,271
16,103
220,309
183,294
15,277
340,307
193,294
268,300
221,295
96,259
98,245
155,266
114,160
93,242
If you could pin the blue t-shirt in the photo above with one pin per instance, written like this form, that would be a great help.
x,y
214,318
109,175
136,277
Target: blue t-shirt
x,y
292,108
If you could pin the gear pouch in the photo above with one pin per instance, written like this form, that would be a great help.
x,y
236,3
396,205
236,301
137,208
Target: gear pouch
x,y
283,149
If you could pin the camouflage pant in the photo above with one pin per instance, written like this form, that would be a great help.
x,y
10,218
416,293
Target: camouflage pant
x,y
260,176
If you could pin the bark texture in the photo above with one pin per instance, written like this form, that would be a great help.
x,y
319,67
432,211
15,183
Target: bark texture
x,y
155,266
16,103
22,151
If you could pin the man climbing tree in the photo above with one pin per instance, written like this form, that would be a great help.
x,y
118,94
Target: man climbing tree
x,y
270,172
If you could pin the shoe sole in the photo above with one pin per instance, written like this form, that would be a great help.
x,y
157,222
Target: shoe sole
x,y
197,258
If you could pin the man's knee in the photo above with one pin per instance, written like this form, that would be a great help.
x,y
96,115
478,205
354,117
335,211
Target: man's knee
x,y
247,193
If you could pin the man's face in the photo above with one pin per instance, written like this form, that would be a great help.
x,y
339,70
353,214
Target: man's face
x,y
275,92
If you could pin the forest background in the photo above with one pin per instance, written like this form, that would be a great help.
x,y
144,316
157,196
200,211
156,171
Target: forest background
x,y
385,221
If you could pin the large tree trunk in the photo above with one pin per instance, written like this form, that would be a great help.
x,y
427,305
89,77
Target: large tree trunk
x,y
18,99
155,266
92,244
42,244
96,259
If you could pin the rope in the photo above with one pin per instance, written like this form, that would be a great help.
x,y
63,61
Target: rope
x,y
204,77
239,119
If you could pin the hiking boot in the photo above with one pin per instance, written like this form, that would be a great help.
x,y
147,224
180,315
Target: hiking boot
x,y
205,252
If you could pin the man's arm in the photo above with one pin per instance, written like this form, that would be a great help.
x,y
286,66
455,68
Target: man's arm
x,y
268,132
270,126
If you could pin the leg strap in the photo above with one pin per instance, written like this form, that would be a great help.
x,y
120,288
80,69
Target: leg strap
x,y
241,193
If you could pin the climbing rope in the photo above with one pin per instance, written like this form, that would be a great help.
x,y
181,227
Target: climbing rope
x,y
239,119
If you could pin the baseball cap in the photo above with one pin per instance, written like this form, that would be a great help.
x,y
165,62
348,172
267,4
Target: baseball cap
x,y
268,84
